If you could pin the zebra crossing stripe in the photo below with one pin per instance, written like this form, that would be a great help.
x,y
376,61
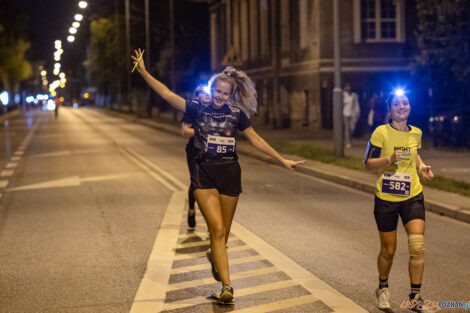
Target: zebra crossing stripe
x,y
210,280
199,243
279,305
195,255
204,266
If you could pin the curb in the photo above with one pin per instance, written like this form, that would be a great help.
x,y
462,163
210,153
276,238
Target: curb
x,y
430,205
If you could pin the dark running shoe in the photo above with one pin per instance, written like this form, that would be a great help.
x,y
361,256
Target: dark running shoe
x,y
215,273
226,295
192,218
417,304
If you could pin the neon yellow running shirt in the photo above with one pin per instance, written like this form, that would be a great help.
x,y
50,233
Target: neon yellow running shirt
x,y
398,182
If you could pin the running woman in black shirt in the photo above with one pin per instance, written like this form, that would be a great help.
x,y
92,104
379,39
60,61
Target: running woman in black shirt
x,y
187,131
218,180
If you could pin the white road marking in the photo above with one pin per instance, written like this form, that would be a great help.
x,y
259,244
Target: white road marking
x,y
330,296
6,173
62,153
279,305
11,165
19,152
199,267
15,158
150,296
3,183
195,255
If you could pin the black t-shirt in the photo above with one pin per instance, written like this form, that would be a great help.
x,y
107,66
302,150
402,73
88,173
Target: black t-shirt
x,y
215,129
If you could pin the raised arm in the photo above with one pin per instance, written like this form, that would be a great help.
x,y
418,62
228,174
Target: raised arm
x,y
262,145
169,96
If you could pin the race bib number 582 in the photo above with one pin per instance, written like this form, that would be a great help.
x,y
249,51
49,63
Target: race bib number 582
x,y
398,184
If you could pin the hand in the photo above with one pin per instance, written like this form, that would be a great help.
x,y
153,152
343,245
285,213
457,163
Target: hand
x,y
292,164
396,156
141,65
426,172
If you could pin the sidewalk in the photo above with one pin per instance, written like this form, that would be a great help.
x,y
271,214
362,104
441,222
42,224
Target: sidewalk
x,y
441,202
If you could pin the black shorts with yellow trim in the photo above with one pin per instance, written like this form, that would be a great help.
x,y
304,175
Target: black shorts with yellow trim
x,y
225,176
386,212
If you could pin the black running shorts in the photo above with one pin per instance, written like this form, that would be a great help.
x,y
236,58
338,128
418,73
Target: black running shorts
x,y
386,212
223,176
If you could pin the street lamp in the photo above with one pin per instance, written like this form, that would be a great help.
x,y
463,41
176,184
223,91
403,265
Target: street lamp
x,y
76,24
82,4
78,17
72,30
70,38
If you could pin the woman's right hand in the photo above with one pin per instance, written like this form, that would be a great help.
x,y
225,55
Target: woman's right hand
x,y
141,65
396,156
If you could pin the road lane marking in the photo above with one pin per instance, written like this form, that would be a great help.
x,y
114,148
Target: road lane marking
x,y
199,267
279,305
15,158
200,243
195,255
151,294
321,290
239,293
11,165
3,183
6,173
210,280
194,234
19,152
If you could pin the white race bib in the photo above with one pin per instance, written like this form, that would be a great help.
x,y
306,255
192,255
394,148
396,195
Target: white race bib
x,y
218,144
396,183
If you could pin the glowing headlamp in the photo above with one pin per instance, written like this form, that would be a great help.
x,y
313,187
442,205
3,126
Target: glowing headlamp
x,y
207,89
399,92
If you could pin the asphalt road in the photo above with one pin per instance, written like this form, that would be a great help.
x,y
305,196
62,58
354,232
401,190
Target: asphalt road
x,y
79,217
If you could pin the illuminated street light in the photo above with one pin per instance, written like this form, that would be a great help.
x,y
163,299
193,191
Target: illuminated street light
x,y
57,58
82,4
72,30
76,24
78,17
58,44
56,71
57,65
43,73
62,75
70,38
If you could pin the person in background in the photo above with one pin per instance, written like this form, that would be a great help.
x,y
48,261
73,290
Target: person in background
x,y
351,113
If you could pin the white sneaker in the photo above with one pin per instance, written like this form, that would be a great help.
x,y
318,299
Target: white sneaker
x,y
383,298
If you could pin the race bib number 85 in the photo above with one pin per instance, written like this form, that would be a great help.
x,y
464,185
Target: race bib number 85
x,y
398,184
218,144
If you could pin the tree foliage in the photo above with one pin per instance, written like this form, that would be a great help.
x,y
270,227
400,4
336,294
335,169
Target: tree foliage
x,y
14,68
107,61
443,34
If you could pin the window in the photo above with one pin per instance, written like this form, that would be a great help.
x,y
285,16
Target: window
x,y
379,21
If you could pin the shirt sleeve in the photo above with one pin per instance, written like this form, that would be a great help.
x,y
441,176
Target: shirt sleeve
x,y
377,138
374,146
244,122
187,119
191,111
420,134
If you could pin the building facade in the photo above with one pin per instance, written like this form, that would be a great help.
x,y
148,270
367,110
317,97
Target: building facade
x,y
286,47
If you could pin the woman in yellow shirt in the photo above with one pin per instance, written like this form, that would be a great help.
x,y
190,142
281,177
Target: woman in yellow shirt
x,y
393,152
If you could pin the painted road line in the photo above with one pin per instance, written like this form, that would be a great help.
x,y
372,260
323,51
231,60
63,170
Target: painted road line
x,y
15,158
279,305
11,165
6,173
19,152
158,169
195,234
199,267
3,183
151,294
157,177
239,293
195,255
200,243
210,280
324,292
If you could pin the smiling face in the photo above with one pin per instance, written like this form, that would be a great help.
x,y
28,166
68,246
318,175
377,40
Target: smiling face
x,y
221,92
400,108
204,98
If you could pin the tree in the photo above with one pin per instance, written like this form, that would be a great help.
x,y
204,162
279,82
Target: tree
x,y
107,61
13,47
443,35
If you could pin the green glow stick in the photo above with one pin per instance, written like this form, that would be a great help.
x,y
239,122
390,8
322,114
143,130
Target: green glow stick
x,y
140,58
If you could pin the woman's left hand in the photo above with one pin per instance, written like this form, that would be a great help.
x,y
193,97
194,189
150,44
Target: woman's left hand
x,y
426,172
292,164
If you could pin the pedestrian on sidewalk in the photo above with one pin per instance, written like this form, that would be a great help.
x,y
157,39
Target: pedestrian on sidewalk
x,y
187,131
393,152
351,113
217,181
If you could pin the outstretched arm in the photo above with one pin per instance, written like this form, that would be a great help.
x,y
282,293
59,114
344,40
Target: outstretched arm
x,y
169,96
424,169
262,145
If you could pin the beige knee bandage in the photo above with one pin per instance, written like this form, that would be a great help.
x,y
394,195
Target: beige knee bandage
x,y
416,248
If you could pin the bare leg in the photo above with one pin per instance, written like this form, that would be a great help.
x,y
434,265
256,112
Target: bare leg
x,y
416,270
210,205
229,205
388,245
